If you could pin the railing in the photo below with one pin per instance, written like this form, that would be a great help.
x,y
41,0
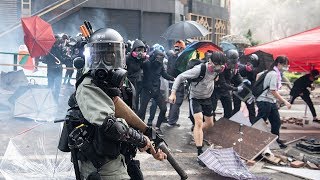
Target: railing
x,y
52,13
15,64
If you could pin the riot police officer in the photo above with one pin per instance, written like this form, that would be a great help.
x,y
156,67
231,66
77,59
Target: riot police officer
x,y
104,59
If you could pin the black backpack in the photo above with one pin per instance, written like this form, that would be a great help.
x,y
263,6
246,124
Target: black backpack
x,y
257,88
191,64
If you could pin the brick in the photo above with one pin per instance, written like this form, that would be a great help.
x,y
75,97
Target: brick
x,y
250,162
282,157
311,165
297,164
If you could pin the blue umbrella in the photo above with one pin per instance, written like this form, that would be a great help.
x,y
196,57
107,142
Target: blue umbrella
x,y
227,46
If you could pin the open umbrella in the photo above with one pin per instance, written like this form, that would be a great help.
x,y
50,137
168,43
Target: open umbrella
x,y
33,154
38,36
264,62
185,30
227,46
34,102
12,80
195,50
226,162
236,39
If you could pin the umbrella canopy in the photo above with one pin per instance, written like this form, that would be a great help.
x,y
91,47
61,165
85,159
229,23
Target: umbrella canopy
x,y
185,30
33,154
195,50
34,102
226,162
12,80
302,49
227,46
264,62
236,39
38,36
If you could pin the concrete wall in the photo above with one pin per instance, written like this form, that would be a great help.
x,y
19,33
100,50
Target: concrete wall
x,y
165,6
214,11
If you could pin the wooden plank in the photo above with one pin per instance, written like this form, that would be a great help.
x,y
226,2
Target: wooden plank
x,y
248,144
299,172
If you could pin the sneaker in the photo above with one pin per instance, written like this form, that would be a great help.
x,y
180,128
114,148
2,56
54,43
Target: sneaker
x,y
316,120
200,163
173,125
159,132
281,144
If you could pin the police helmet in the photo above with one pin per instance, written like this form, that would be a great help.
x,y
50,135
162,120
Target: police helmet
x,y
232,57
105,49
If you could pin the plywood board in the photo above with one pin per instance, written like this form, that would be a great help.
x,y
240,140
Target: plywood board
x,y
248,144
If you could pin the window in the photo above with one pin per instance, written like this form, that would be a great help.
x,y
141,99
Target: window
x,y
223,3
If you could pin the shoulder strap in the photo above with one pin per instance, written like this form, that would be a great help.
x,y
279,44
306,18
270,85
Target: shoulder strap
x,y
202,73
79,81
265,78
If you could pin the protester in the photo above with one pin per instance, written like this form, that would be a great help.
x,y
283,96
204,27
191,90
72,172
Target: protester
x,y
164,86
228,81
300,89
247,71
266,102
174,111
54,61
134,61
199,98
152,71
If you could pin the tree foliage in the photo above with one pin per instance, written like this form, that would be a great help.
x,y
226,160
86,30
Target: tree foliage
x,y
270,20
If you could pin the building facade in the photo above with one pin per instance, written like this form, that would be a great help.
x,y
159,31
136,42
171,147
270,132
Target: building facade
x,y
142,19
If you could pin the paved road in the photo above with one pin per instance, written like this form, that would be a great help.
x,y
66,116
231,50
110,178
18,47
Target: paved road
x,y
179,139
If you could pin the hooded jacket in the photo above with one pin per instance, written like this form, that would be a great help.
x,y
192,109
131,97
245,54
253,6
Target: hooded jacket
x,y
134,65
152,71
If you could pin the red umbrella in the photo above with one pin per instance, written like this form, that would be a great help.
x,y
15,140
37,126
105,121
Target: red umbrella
x,y
302,49
38,36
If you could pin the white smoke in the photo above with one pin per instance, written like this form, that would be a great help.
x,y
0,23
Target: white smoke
x,y
270,20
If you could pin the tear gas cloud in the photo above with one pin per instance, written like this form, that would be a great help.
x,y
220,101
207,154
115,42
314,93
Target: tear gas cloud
x,y
273,19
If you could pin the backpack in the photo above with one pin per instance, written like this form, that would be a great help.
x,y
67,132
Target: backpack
x,y
257,88
191,64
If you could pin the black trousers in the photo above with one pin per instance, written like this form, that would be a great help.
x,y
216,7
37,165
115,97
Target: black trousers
x,y
226,102
237,106
307,99
267,110
146,95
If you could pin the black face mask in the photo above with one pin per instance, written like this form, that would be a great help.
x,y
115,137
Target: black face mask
x,y
159,60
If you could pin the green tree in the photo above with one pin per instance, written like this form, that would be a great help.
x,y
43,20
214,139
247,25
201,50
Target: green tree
x,y
249,36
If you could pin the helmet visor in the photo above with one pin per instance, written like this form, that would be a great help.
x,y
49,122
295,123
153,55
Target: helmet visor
x,y
109,55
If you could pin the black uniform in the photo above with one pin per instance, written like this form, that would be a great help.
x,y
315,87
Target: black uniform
x,y
135,73
152,70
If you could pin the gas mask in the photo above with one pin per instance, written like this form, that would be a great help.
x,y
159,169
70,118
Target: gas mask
x,y
139,54
114,77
